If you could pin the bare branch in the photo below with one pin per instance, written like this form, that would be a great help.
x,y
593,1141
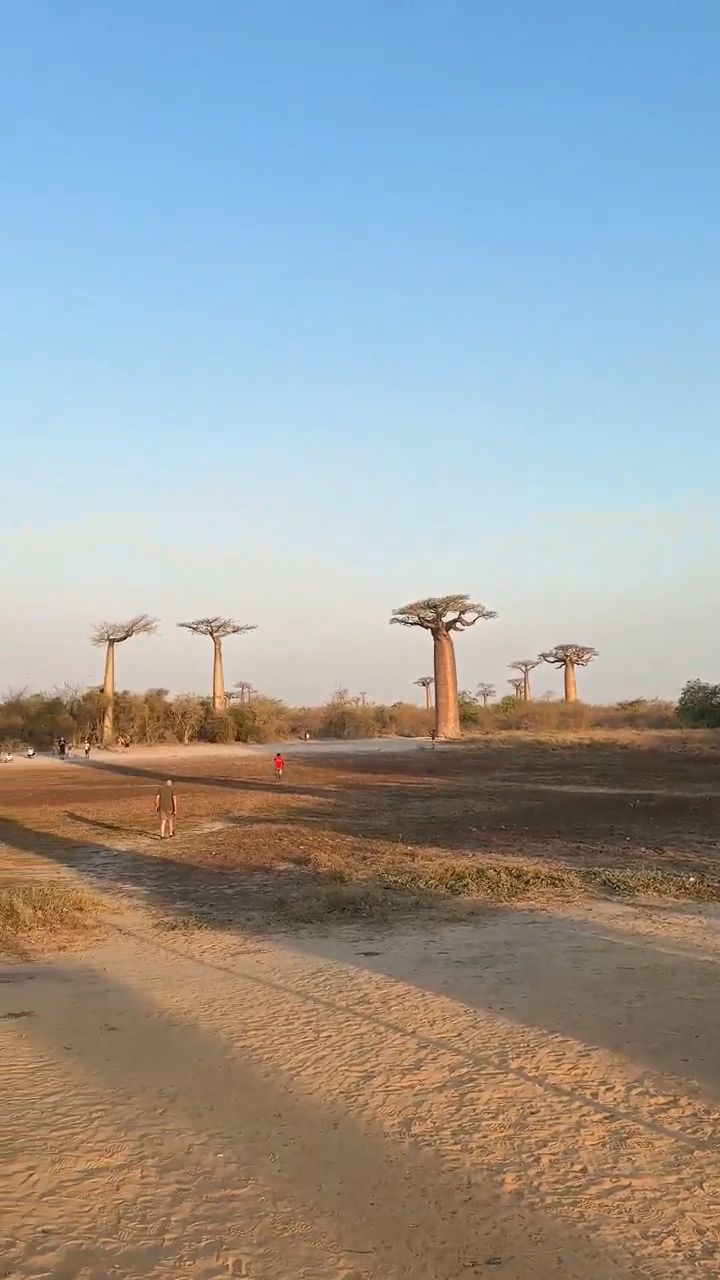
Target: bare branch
x,y
425,682
217,628
563,655
117,632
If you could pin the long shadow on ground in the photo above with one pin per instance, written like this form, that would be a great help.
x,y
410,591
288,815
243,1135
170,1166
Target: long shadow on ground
x,y
320,1164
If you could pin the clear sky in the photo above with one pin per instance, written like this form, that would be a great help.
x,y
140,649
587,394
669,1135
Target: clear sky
x,y
309,309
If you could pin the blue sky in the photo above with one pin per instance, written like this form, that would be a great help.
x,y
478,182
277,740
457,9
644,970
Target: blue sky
x,y
308,310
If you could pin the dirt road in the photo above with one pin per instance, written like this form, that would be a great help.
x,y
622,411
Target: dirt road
x,y
530,1097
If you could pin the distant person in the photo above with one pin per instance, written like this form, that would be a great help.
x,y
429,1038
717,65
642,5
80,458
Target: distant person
x,y
62,748
306,735
166,807
31,753
87,748
279,764
433,737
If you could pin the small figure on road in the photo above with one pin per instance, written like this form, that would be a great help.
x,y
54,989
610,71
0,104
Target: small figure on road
x,y
167,807
87,748
279,763
31,753
62,748
433,736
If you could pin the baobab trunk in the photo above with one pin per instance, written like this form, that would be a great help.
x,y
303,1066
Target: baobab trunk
x,y
447,715
218,677
570,684
428,703
526,686
108,694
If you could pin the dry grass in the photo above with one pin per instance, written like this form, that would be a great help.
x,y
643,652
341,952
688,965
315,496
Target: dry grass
x,y
42,913
516,819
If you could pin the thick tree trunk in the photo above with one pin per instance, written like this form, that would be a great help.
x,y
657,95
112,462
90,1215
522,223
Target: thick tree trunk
x,y
526,686
570,684
218,677
428,703
108,694
447,715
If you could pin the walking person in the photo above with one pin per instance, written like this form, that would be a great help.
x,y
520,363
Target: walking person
x,y
166,806
62,748
87,748
279,763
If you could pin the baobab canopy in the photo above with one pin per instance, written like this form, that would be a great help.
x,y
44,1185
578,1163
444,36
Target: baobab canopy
x,y
446,613
117,632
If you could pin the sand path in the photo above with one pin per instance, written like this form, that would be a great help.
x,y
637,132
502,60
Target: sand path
x,y
532,1096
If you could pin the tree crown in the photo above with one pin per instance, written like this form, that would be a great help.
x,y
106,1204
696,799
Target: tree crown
x,y
517,682
524,664
488,689
442,613
563,655
116,632
217,628
425,681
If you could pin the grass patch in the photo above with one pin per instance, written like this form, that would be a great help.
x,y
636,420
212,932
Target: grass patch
x,y
28,910
651,882
325,904
181,924
475,878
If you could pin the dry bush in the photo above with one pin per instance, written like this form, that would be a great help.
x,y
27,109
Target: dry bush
x,y
578,717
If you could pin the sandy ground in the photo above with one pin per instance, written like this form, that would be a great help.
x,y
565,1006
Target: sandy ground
x,y
532,1095
536,1095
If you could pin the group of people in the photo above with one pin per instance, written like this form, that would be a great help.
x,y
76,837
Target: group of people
x,y
65,748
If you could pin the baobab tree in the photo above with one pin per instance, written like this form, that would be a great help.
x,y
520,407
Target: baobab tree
x,y
441,616
525,666
426,683
108,635
569,656
485,691
517,683
245,691
218,629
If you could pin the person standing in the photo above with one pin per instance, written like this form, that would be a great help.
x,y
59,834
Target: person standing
x,y
62,748
166,806
87,748
279,763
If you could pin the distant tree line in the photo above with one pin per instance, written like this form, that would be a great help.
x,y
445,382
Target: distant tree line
x,y
39,719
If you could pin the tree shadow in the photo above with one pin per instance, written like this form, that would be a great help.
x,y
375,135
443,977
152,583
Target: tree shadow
x,y
363,1187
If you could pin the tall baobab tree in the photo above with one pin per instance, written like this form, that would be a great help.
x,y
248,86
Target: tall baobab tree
x,y
569,656
525,666
485,691
426,683
441,616
218,629
108,635
517,684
